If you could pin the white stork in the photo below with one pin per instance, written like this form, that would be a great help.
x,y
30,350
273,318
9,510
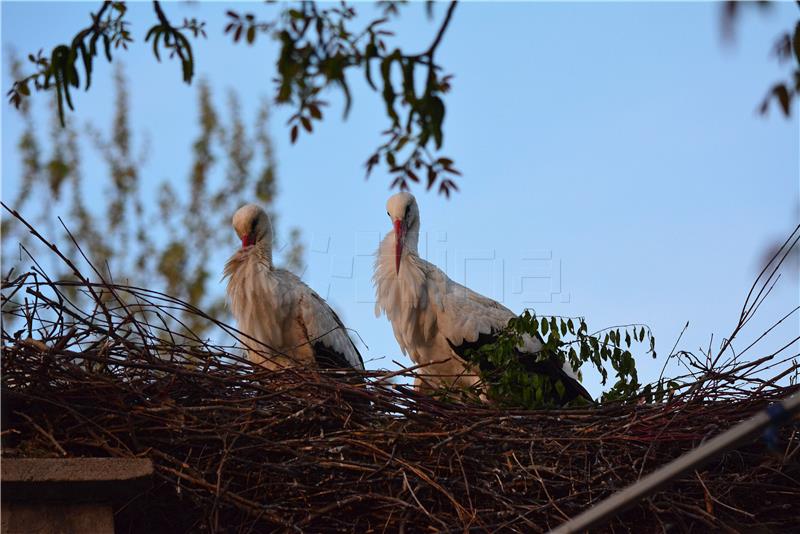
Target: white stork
x,y
292,324
436,319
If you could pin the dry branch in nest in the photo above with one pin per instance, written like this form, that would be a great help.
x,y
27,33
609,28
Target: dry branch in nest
x,y
97,369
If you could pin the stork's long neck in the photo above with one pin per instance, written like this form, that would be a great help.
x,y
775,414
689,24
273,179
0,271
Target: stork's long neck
x,y
401,290
412,239
263,248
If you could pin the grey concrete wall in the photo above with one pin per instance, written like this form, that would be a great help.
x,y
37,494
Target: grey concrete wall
x,y
67,496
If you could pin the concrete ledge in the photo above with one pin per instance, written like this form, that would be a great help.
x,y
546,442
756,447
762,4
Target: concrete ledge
x,y
21,518
73,479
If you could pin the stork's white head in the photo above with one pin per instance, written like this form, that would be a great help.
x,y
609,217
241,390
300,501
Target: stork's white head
x,y
253,226
404,214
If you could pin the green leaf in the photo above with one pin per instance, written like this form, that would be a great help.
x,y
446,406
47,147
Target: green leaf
x,y
188,70
348,100
560,388
107,47
72,72
796,42
154,32
784,98
388,88
437,117
408,83
59,99
401,143
87,64
370,52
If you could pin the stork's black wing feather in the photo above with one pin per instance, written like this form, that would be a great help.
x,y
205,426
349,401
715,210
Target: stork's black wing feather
x,y
551,367
327,357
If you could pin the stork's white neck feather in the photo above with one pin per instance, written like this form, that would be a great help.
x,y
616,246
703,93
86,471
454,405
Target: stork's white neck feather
x,y
263,250
403,295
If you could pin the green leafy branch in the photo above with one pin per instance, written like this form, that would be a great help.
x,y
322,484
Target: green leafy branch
x,y
175,41
319,48
109,30
423,121
60,70
508,374
786,49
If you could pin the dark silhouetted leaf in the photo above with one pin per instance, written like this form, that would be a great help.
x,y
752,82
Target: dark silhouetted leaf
x,y
782,94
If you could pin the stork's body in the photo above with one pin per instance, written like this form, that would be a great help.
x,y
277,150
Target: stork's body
x,y
436,319
290,323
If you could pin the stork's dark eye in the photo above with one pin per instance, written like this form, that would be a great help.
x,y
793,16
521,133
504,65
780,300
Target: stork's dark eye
x,y
253,224
389,214
408,208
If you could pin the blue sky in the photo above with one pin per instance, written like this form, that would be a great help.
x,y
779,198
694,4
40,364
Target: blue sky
x,y
614,163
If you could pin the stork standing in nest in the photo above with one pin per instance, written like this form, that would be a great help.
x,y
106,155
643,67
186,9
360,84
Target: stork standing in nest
x,y
436,320
290,323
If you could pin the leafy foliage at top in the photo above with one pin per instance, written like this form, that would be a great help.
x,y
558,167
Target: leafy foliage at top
x,y
320,48
108,30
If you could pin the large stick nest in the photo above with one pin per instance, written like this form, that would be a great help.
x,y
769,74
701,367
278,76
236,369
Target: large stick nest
x,y
95,370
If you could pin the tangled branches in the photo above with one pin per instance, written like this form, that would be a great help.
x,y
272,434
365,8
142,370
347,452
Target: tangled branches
x,y
90,369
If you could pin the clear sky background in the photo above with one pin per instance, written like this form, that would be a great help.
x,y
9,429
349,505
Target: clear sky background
x,y
614,163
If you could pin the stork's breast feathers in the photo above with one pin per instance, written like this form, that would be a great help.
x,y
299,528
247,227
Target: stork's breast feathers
x,y
422,302
275,307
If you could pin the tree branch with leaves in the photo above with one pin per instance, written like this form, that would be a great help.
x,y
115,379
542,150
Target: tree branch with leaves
x,y
321,48
786,49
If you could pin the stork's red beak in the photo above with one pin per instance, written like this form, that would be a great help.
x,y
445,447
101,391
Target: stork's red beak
x,y
399,239
247,240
